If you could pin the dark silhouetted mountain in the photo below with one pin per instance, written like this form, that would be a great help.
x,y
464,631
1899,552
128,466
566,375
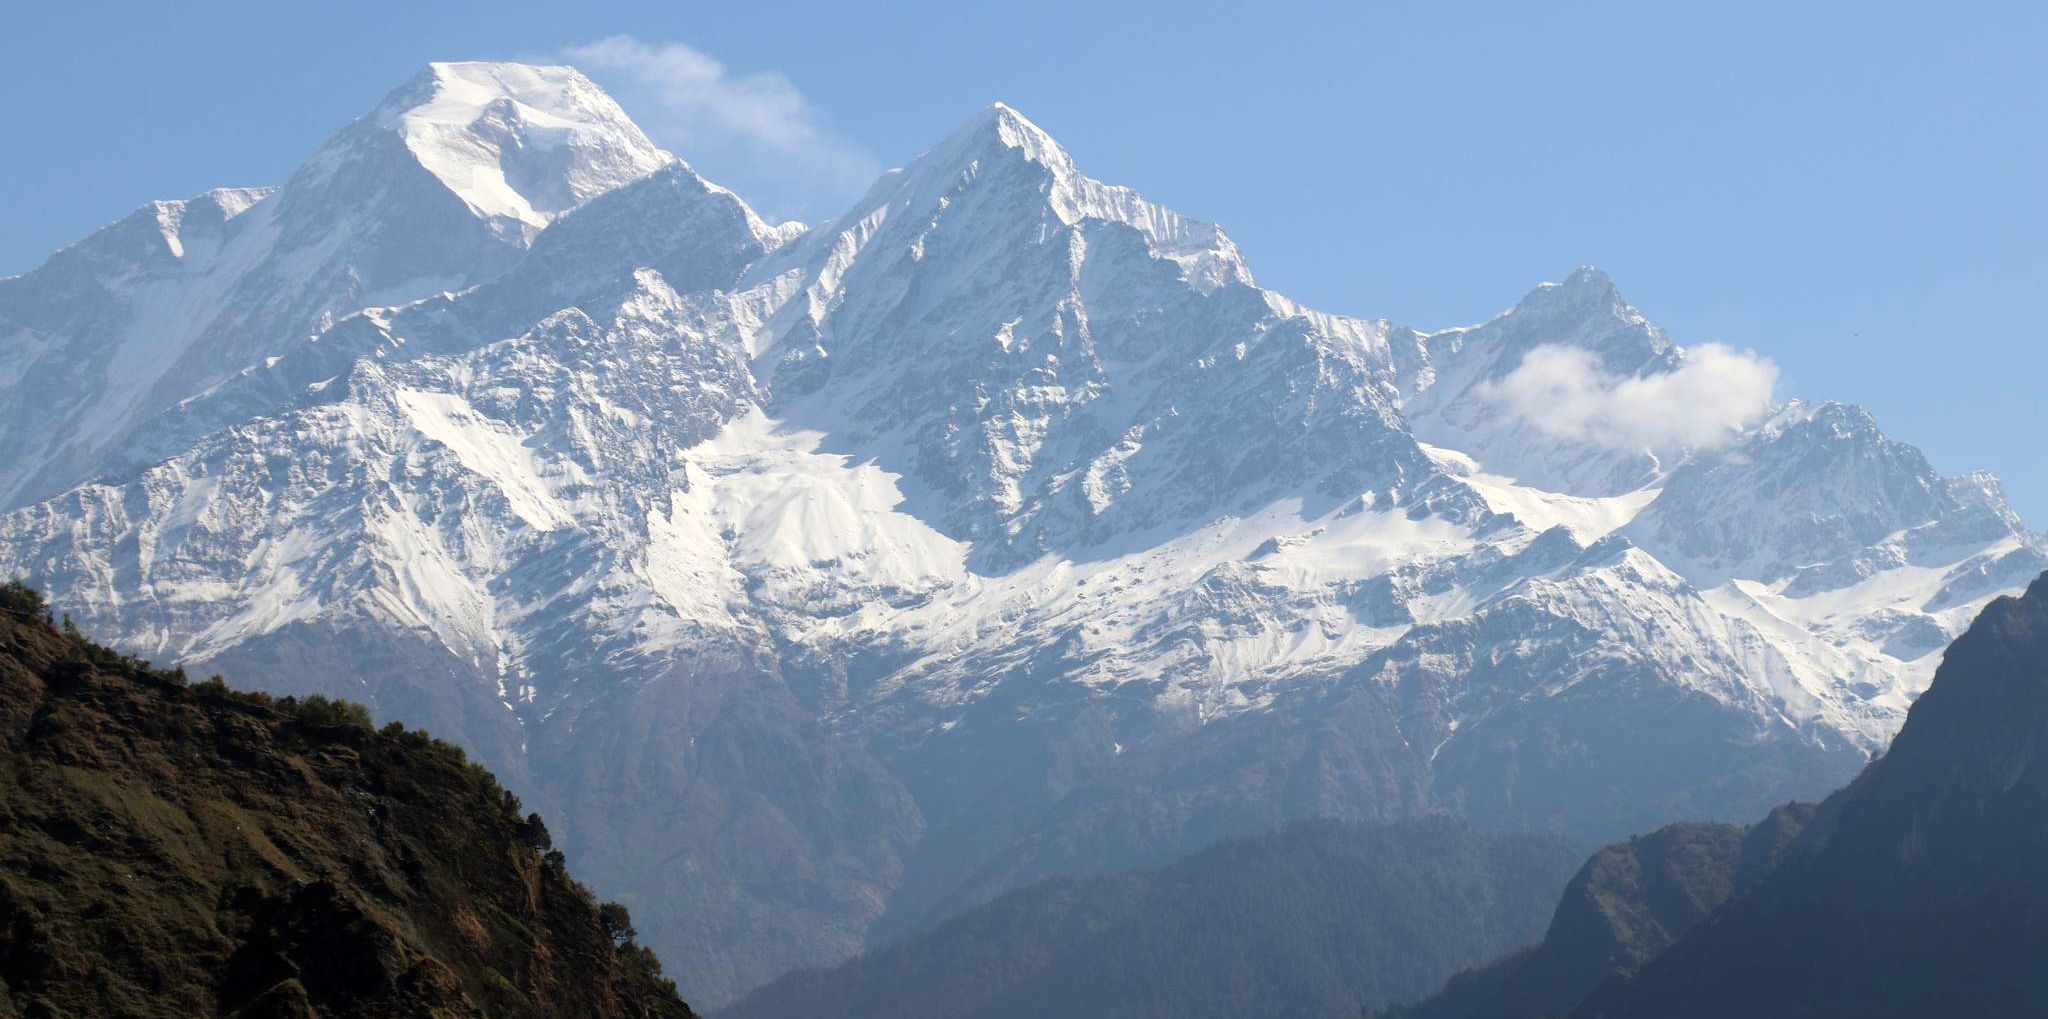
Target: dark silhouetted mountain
x,y
1317,919
1917,890
183,850
1928,896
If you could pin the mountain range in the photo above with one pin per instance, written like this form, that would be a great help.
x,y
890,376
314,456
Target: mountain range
x,y
817,583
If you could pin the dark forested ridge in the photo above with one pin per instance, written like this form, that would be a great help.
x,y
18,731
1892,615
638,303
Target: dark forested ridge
x,y
1917,890
177,849
1315,920
1629,902
1928,896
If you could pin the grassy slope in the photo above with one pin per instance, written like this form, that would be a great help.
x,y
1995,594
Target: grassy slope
x,y
173,849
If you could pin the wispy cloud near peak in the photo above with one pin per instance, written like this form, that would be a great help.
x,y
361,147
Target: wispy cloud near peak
x,y
755,133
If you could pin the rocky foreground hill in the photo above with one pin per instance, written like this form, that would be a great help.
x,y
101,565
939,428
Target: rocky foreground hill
x,y
170,848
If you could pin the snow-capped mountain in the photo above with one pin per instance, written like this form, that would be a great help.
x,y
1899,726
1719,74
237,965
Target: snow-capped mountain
x,y
441,187
1447,376
818,582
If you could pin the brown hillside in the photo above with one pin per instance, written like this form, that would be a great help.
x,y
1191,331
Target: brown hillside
x,y
183,850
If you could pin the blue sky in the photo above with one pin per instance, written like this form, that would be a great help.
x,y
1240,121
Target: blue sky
x,y
1853,190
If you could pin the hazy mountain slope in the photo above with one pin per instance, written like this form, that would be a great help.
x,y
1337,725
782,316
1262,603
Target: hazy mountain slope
x,y
1927,896
1314,920
821,585
1629,902
180,850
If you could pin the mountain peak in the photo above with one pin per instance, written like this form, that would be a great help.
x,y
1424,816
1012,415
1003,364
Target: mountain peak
x,y
1587,310
1587,276
1013,127
444,90
998,126
1586,289
1000,144
519,143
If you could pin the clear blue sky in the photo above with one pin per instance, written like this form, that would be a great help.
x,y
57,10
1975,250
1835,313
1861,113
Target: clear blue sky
x,y
1855,190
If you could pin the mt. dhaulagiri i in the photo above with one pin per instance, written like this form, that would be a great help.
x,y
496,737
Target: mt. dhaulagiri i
x,y
818,583
170,848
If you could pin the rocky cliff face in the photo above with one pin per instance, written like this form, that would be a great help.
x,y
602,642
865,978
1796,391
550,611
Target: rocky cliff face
x,y
179,849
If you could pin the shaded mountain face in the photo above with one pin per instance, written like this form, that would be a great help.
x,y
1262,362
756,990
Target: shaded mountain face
x,y
171,849
821,583
1318,919
1628,903
1927,896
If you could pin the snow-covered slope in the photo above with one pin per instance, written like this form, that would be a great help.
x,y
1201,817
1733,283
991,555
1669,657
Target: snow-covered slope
x,y
1004,526
440,187
516,143
1054,363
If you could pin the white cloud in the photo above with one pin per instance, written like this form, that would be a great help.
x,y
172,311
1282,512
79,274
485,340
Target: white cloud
x,y
754,133
1563,391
